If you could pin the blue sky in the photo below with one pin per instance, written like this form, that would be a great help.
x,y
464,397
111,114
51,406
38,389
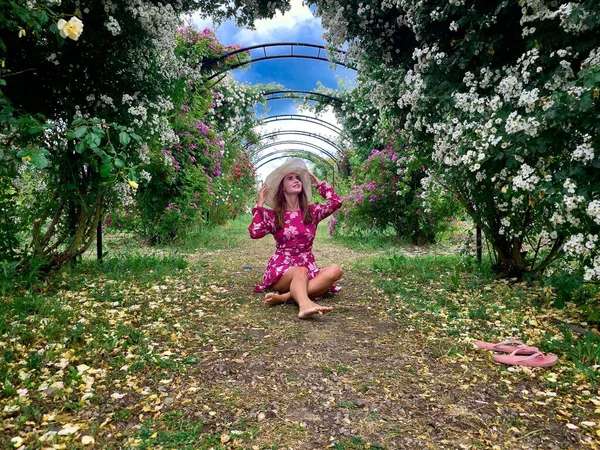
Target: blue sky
x,y
297,25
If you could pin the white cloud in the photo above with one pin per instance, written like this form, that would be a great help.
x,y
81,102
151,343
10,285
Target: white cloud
x,y
279,28
272,30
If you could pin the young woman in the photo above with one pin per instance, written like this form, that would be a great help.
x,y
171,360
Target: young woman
x,y
292,270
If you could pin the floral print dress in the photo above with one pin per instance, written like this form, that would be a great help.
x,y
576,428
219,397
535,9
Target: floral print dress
x,y
293,242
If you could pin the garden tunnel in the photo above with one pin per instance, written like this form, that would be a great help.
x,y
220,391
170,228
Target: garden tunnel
x,y
308,134
248,55
298,153
283,94
303,118
285,50
255,155
259,159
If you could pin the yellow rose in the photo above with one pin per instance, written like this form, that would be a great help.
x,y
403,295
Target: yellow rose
x,y
72,29
26,158
22,33
133,184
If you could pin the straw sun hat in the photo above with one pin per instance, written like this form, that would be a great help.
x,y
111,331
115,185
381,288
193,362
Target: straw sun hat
x,y
293,165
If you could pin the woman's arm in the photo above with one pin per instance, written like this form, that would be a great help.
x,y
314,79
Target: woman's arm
x,y
334,202
263,220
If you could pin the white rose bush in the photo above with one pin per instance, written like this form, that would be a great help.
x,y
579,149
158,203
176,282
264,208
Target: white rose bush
x,y
92,94
501,100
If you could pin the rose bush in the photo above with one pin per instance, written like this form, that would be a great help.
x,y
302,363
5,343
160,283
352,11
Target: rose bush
x,y
501,100
85,103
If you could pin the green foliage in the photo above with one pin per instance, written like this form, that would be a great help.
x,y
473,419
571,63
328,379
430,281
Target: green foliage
x,y
203,177
500,101
79,139
388,193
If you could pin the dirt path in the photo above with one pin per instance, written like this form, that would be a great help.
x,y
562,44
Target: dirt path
x,y
354,378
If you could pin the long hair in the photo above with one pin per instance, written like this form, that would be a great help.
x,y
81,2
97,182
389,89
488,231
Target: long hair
x,y
280,203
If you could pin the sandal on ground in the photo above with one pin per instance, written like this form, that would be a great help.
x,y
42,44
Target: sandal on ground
x,y
508,346
537,359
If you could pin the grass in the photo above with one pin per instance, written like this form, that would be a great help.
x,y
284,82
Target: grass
x,y
470,301
371,242
131,327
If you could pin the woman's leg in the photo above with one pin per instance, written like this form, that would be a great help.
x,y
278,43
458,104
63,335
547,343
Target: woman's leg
x,y
295,280
317,286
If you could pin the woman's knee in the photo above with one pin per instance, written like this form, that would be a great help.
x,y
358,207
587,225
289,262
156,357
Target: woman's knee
x,y
336,272
299,271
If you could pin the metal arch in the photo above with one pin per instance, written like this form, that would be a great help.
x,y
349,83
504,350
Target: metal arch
x,y
302,133
292,152
343,61
293,93
255,153
316,120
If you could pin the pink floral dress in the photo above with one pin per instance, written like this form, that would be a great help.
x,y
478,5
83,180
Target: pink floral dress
x,y
293,242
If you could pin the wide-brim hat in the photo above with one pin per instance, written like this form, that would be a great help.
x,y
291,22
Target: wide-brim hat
x,y
293,165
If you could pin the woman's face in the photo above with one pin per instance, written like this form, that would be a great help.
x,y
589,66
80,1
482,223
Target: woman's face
x,y
292,184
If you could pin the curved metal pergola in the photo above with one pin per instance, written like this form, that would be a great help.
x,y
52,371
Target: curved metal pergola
x,y
294,93
289,153
292,51
303,118
256,152
274,134
292,152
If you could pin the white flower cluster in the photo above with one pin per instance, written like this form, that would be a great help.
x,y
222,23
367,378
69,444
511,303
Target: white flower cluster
x,y
584,151
592,270
499,132
233,105
539,10
526,179
113,26
515,123
124,193
593,210
593,60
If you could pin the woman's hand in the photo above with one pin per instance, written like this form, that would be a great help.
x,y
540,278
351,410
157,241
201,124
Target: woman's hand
x,y
314,179
261,195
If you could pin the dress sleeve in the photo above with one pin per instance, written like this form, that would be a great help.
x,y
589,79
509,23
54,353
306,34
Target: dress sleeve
x,y
263,222
333,200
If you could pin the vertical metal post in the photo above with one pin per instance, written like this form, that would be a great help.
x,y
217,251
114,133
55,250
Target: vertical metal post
x,y
99,240
478,243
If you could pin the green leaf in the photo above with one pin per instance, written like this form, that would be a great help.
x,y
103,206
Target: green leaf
x,y
98,131
80,131
586,102
105,170
2,82
39,160
93,140
118,163
124,138
80,147
135,137
34,129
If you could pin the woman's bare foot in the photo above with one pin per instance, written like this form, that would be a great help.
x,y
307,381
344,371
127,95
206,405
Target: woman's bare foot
x,y
310,309
272,298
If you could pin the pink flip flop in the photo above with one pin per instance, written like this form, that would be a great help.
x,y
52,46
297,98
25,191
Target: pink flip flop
x,y
507,346
537,359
